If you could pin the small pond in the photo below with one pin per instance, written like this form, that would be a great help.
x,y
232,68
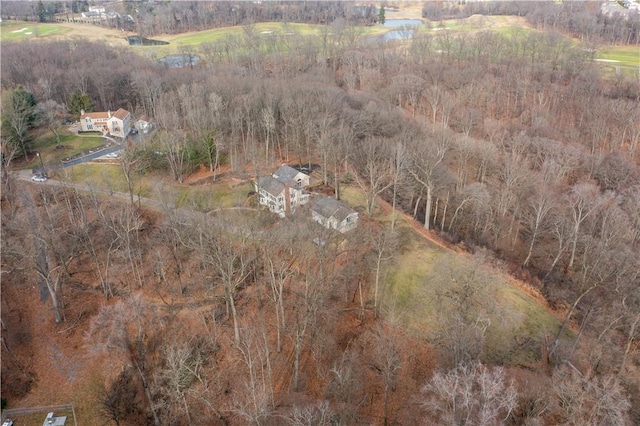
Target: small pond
x,y
142,41
392,35
393,23
180,61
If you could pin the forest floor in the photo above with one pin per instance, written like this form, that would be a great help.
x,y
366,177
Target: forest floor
x,y
60,358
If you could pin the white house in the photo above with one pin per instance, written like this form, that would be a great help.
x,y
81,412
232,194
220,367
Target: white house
x,y
97,9
332,214
284,191
116,124
143,125
291,176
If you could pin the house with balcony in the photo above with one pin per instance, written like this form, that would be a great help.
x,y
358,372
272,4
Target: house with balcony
x,y
116,123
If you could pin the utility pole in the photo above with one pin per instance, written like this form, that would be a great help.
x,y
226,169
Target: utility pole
x,y
44,172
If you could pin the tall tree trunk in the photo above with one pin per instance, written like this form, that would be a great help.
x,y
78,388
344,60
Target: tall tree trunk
x,y
427,213
234,314
630,341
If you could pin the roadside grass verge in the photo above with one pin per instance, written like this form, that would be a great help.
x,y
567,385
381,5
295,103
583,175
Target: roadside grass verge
x,y
108,177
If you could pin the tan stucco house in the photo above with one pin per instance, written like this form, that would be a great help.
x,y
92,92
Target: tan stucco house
x,y
115,124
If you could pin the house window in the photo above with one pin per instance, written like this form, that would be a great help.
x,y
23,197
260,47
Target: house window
x,y
90,127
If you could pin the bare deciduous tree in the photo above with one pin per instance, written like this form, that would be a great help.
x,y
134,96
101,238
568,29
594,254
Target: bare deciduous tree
x,y
375,170
426,165
387,362
470,395
587,399
133,328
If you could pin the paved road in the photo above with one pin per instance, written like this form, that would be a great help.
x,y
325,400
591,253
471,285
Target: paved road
x,y
89,157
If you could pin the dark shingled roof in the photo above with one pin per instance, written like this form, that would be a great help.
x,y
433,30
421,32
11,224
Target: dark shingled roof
x,y
271,185
285,172
330,207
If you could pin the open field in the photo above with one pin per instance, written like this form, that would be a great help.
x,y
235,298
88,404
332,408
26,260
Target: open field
x,y
10,31
626,56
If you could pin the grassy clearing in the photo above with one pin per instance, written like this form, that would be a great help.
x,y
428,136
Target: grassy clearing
x,y
537,321
211,197
417,288
354,197
406,277
12,31
102,176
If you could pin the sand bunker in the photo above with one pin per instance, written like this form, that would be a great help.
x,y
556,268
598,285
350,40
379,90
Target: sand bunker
x,y
21,30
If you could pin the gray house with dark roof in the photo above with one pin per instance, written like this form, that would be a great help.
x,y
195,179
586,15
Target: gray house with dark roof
x,y
332,214
283,191
292,177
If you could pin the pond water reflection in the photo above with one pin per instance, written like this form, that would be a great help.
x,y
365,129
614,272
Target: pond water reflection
x,y
394,23
405,28
142,41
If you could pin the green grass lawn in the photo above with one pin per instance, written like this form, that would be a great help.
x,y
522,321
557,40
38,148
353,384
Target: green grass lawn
x,y
11,31
107,177
261,29
71,144
354,197
624,55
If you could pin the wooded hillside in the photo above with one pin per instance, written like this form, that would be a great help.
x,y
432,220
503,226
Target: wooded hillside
x,y
515,148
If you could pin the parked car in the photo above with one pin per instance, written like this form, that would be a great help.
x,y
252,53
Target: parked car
x,y
39,178
112,155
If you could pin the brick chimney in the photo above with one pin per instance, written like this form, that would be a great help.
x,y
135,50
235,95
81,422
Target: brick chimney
x,y
287,200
